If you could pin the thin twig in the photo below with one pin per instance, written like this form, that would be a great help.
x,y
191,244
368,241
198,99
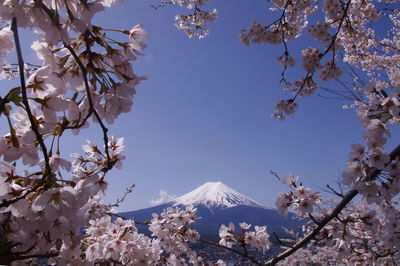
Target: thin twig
x,y
280,241
122,198
232,250
125,218
334,191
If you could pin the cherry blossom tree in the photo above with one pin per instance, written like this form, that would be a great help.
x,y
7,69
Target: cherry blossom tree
x,y
87,77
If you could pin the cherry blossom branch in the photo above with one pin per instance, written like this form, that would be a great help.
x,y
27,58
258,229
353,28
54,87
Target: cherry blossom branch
x,y
331,46
348,198
91,106
334,213
32,120
92,110
308,76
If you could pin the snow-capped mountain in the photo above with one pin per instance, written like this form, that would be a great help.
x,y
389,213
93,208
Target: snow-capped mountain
x,y
216,194
217,204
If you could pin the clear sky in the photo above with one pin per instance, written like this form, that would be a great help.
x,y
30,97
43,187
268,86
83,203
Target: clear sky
x,y
204,114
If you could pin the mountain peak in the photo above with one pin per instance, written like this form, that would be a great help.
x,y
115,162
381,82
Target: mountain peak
x,y
216,194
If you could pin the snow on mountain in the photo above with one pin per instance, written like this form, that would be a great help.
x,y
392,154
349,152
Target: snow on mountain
x,y
216,194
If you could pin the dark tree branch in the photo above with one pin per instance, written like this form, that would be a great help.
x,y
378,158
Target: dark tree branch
x,y
334,213
32,120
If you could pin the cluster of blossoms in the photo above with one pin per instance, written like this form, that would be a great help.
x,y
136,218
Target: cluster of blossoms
x,y
311,57
362,164
119,242
173,229
194,25
190,3
258,239
50,218
330,71
257,33
287,27
7,46
300,199
319,32
286,60
333,10
284,108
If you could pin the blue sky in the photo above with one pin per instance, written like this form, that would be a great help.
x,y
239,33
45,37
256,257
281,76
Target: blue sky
x,y
204,114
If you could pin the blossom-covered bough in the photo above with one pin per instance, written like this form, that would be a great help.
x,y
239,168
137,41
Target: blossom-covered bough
x,y
86,77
